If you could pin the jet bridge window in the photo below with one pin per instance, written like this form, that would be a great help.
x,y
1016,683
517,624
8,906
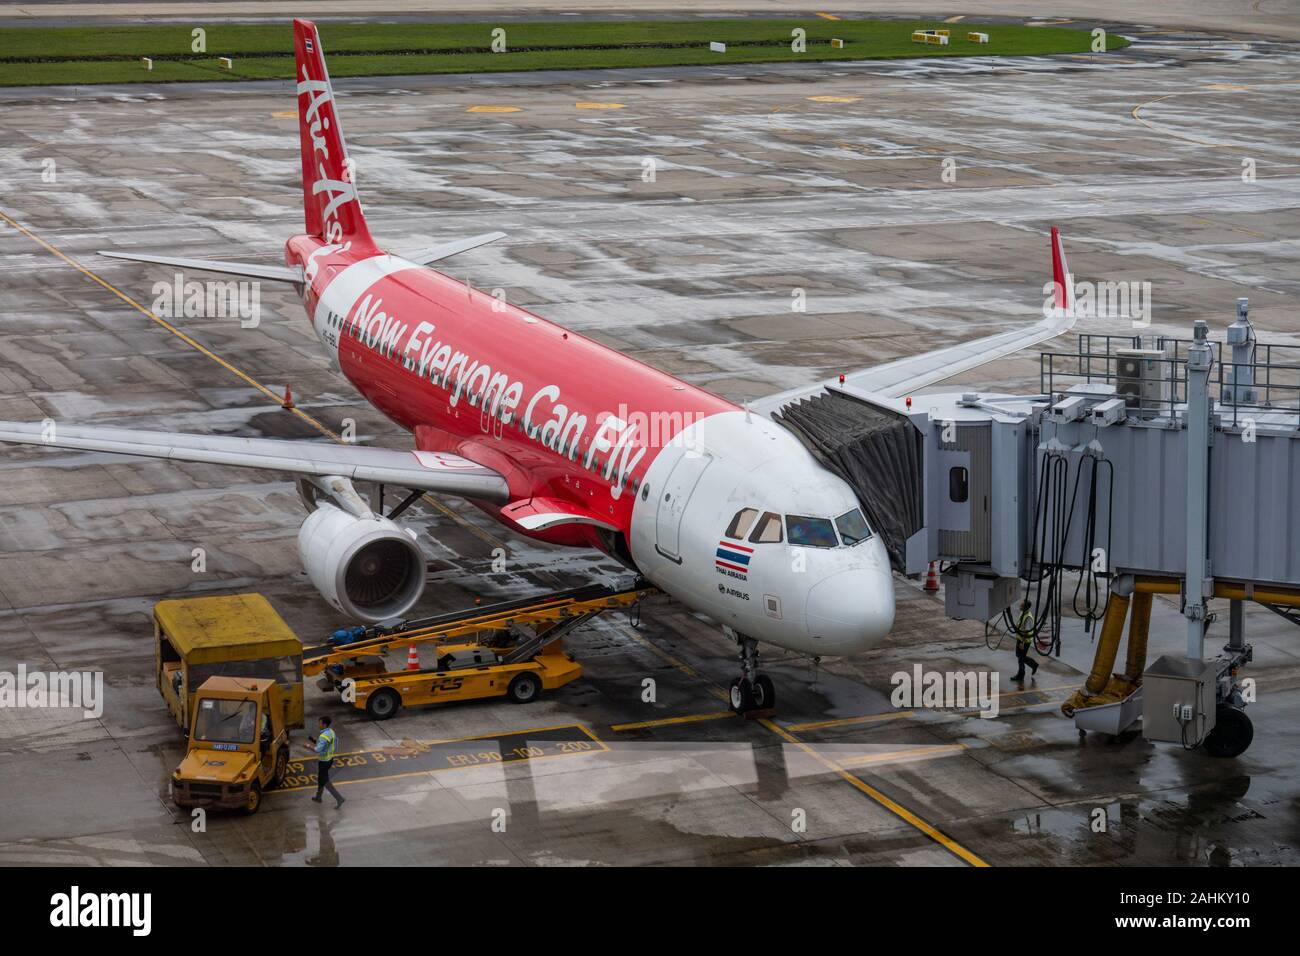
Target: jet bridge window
x,y
812,532
768,529
852,527
741,524
958,484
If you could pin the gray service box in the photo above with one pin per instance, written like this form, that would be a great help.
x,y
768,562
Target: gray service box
x,y
968,596
1174,680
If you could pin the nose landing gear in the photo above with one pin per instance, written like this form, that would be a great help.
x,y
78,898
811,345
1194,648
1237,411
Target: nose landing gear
x,y
752,694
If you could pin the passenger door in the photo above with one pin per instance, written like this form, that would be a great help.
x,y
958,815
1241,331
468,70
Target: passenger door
x,y
673,499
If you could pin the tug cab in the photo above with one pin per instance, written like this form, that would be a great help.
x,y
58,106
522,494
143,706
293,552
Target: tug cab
x,y
238,746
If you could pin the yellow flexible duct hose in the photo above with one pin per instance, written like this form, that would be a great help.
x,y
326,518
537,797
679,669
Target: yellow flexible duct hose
x,y
1139,626
1112,629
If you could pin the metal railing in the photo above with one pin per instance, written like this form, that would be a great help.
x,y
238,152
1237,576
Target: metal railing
x,y
1275,373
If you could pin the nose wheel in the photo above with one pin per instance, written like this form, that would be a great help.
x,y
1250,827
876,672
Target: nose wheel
x,y
752,692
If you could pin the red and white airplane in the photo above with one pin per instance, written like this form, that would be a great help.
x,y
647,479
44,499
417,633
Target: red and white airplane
x,y
553,435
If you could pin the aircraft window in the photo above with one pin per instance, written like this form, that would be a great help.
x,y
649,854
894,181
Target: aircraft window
x,y
813,532
768,529
740,524
853,527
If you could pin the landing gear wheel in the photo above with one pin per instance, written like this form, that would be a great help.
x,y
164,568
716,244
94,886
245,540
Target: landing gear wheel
x,y
1232,733
253,799
524,689
382,704
742,697
764,693
281,768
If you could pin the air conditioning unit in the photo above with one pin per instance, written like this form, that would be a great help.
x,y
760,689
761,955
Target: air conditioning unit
x,y
1142,379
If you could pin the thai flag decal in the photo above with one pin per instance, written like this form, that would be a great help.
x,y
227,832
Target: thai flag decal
x,y
733,559
310,45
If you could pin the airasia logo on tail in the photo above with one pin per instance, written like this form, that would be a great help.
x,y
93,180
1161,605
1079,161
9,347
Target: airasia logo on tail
x,y
335,186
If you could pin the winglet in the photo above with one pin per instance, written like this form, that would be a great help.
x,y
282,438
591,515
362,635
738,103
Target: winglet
x,y
1062,281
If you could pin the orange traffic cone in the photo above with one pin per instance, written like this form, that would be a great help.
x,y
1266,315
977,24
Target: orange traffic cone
x,y
288,398
931,579
412,659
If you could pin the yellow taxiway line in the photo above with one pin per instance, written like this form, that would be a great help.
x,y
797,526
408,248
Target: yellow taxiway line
x,y
922,752
900,811
229,367
669,721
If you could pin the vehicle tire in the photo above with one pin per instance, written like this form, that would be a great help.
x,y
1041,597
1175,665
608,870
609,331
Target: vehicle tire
x,y
253,799
742,698
1232,733
524,689
281,768
383,704
764,693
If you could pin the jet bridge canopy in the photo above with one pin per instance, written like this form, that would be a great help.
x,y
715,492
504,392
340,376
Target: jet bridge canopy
x,y
877,451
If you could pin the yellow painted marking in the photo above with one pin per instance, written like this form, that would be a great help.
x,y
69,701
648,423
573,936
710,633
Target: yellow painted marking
x,y
666,721
1228,87
1151,126
493,109
599,106
899,756
957,19
896,714
422,747
947,842
427,773
510,734
833,99
845,721
1048,23
828,16
237,372
1224,225
285,114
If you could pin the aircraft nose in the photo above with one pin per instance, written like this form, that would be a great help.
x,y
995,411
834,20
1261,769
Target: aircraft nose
x,y
851,610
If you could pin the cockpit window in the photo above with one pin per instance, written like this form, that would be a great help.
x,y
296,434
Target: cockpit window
x,y
812,532
740,524
768,529
852,527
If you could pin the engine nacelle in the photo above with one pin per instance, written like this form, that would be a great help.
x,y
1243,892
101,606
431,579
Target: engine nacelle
x,y
368,568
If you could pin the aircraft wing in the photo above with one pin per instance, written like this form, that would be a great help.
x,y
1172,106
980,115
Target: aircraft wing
x,y
904,376
428,471
445,250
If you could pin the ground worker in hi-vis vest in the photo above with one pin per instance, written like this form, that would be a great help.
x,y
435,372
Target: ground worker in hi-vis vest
x,y
324,745
1024,641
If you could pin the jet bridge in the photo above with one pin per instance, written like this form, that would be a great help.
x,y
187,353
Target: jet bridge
x,y
1141,458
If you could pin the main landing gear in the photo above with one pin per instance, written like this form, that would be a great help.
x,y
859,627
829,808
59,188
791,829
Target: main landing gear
x,y
752,692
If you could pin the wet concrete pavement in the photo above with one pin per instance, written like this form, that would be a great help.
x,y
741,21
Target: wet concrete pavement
x,y
758,191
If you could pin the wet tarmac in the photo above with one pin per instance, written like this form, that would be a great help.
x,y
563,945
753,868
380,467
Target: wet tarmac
x,y
758,191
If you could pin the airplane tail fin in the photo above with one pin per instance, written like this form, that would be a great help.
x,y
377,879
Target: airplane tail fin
x,y
329,193
1062,281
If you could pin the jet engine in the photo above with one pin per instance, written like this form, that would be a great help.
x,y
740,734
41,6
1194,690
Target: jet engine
x,y
368,568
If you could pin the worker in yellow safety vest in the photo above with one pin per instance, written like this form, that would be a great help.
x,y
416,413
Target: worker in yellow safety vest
x,y
324,744
1024,641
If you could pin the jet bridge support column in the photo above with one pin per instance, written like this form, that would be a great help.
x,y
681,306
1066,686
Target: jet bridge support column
x,y
1198,586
